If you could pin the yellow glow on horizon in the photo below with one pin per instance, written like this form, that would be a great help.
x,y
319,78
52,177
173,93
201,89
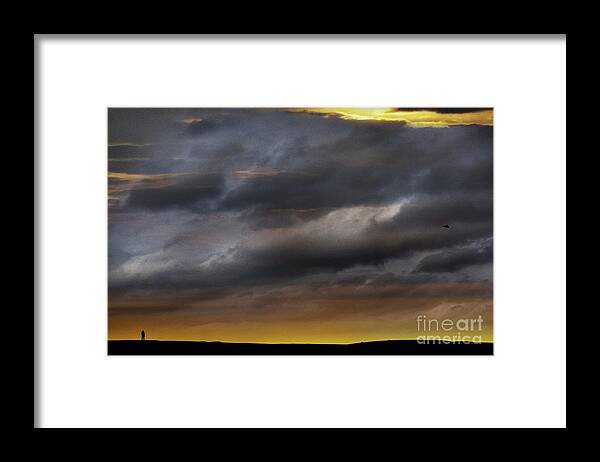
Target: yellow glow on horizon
x,y
339,330
414,118
488,340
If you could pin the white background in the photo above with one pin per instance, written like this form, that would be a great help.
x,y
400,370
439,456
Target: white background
x,y
522,385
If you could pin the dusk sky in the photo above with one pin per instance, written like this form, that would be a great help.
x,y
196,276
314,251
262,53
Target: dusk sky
x,y
298,225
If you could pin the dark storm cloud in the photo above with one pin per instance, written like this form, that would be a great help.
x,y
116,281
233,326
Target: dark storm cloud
x,y
269,197
417,227
429,212
455,259
301,256
206,125
281,218
124,151
372,164
139,125
278,257
191,192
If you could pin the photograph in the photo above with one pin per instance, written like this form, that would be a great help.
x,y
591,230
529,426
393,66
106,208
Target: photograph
x,y
300,231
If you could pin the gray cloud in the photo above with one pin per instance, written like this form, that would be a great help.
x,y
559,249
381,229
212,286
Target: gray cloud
x,y
269,197
456,259
192,192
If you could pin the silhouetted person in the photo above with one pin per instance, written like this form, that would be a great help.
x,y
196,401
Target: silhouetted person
x,y
143,335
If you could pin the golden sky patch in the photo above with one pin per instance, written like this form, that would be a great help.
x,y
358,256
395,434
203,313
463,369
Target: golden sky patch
x,y
414,118
191,120
257,171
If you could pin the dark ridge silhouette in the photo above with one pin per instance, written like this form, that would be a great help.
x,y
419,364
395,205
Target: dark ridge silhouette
x,y
384,347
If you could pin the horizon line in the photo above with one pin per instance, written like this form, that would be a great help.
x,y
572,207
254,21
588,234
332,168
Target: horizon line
x,y
288,343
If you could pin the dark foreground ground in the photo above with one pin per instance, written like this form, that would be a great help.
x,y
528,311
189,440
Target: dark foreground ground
x,y
387,347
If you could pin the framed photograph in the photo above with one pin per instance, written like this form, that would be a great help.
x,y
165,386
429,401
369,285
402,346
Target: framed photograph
x,y
300,231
